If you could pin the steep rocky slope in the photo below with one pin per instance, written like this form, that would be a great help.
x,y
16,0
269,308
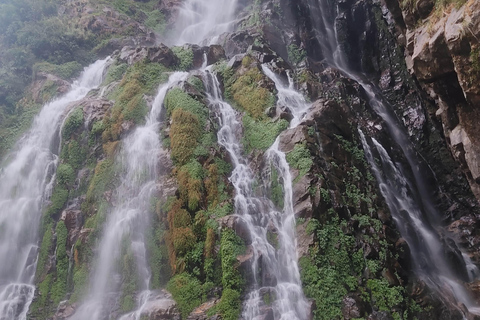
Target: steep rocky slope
x,y
354,262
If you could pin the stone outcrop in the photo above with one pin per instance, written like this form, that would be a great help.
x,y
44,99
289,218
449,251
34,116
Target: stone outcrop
x,y
443,53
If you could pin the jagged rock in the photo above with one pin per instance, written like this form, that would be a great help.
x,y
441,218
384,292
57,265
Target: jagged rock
x,y
73,220
160,53
215,53
302,200
304,240
94,109
162,307
431,58
64,311
237,224
289,138
200,313
43,79
352,307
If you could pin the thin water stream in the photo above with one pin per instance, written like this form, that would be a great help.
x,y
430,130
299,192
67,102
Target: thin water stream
x,y
410,200
129,216
25,184
274,268
201,21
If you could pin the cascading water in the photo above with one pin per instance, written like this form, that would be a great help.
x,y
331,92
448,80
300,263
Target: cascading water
x,y
279,277
415,203
129,215
420,236
200,20
25,184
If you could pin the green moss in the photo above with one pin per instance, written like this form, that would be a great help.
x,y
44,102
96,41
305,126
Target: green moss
x,y
58,200
185,56
187,291
276,189
115,73
65,174
60,285
156,21
45,249
74,154
230,304
102,180
295,54
65,71
331,270
80,282
260,135
231,246
74,121
179,99
250,95
184,135
385,296
300,159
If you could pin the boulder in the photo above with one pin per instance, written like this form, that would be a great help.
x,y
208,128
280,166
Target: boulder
x,y
159,53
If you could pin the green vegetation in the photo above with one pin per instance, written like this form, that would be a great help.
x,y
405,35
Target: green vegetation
x,y
260,135
187,291
66,70
249,94
73,122
185,56
295,54
300,159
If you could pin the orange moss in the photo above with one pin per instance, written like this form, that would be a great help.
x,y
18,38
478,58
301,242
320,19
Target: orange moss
x,y
184,134
211,185
209,243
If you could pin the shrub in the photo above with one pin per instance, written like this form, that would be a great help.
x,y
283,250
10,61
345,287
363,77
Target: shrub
x,y
260,135
185,57
74,121
65,174
187,292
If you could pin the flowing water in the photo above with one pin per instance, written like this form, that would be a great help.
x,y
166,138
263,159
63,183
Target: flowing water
x,y
201,21
25,185
127,220
424,243
410,200
279,277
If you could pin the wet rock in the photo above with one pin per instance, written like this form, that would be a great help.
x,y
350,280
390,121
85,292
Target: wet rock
x,y
64,311
162,307
94,109
289,138
352,307
238,225
160,54
42,80
215,53
431,57
200,313
73,220
304,240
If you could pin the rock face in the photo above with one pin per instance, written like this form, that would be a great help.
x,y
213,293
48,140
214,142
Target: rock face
x,y
444,55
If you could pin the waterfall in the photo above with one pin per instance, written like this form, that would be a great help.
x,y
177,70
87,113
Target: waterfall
x,y
410,200
129,216
203,21
25,184
279,276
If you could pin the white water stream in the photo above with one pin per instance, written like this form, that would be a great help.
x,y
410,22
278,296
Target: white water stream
x,y
275,269
25,184
129,216
202,21
410,200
